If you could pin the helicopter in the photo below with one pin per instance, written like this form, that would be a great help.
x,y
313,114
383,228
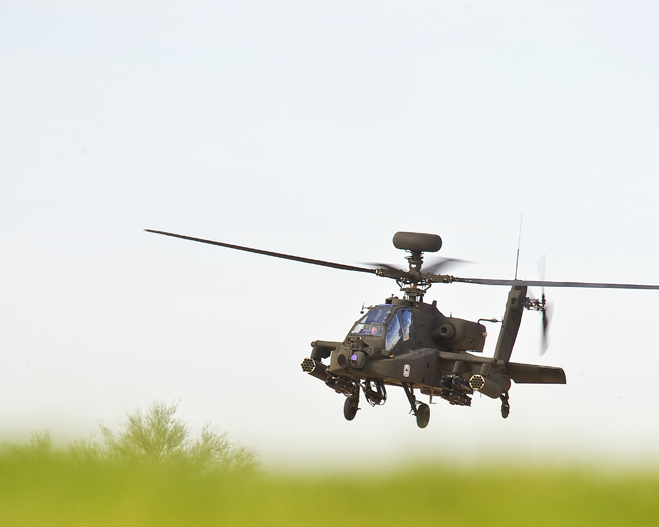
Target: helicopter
x,y
408,343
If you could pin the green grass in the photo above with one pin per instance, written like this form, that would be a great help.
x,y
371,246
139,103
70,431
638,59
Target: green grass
x,y
154,472
55,490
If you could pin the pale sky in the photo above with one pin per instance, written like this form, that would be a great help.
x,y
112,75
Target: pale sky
x,y
320,129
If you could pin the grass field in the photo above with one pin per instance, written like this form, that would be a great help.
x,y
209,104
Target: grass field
x,y
54,490
155,472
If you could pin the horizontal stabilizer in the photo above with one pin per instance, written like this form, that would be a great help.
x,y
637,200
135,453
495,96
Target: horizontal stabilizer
x,y
533,374
520,373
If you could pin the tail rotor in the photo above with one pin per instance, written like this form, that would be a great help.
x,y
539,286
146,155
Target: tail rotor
x,y
545,307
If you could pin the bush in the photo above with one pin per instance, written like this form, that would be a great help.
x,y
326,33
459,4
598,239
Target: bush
x,y
38,447
155,437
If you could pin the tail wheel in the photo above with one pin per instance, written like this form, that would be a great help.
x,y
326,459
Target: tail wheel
x,y
350,407
422,415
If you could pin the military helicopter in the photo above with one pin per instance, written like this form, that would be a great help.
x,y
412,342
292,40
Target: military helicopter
x,y
409,343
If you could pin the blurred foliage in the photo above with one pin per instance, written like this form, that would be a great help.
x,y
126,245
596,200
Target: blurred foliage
x,y
157,436
153,472
153,437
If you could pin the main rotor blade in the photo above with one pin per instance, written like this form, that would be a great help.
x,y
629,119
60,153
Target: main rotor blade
x,y
389,271
543,283
270,253
437,264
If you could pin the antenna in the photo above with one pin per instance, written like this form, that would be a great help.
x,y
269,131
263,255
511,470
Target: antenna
x,y
519,243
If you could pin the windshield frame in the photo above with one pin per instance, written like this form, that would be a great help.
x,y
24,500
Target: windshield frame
x,y
373,323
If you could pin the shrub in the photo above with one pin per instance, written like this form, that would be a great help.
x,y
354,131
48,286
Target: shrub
x,y
157,436
154,437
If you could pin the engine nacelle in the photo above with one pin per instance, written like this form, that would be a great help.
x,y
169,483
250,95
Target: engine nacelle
x,y
321,349
458,334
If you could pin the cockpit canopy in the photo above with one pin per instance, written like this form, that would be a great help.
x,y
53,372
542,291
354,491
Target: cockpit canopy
x,y
385,319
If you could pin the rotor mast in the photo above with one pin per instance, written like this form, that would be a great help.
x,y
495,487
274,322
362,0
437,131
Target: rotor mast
x,y
413,283
412,291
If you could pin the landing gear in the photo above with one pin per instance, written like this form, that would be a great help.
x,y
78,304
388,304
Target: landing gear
x,y
505,406
420,410
374,391
422,415
351,406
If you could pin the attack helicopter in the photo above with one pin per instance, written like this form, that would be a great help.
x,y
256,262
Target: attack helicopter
x,y
408,343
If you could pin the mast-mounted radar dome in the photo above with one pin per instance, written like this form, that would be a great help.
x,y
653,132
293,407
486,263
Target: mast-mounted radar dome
x,y
417,242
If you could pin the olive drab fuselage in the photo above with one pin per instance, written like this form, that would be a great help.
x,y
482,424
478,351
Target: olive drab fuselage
x,y
412,344
404,346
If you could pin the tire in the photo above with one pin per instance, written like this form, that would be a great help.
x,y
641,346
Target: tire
x,y
422,415
350,407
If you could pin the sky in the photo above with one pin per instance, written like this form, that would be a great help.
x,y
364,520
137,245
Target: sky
x,y
320,129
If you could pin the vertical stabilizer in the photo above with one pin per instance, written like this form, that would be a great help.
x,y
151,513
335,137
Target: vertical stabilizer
x,y
511,321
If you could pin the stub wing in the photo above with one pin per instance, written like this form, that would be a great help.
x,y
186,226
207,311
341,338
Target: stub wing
x,y
533,374
518,372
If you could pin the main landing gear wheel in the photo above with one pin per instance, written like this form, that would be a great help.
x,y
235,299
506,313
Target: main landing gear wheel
x,y
422,415
420,410
350,407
